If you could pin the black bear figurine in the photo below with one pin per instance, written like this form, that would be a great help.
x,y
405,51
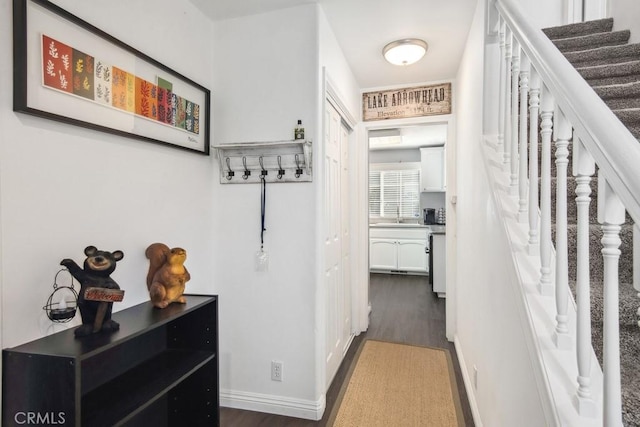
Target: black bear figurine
x,y
97,267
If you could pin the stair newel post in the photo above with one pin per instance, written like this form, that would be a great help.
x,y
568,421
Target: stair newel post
x,y
515,73
507,101
611,214
562,133
501,95
545,287
583,169
534,109
525,65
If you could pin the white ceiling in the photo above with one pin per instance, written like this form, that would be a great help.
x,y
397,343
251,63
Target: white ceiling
x,y
364,27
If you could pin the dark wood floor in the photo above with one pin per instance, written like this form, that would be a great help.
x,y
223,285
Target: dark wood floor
x,y
403,309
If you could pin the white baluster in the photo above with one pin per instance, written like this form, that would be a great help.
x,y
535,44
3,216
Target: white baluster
x,y
611,214
534,108
515,73
507,100
501,95
524,100
583,169
546,127
562,134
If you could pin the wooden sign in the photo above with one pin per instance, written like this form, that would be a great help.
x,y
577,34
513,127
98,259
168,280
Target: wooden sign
x,y
407,102
104,294
105,297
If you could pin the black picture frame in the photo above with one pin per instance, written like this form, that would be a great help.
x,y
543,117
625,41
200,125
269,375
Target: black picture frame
x,y
59,60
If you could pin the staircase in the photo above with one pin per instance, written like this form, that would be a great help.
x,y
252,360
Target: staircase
x,y
611,66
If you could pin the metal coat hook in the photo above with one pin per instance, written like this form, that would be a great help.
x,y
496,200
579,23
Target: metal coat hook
x,y
280,170
247,172
230,173
298,169
264,172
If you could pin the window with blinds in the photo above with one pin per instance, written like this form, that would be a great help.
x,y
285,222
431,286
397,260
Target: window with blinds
x,y
390,190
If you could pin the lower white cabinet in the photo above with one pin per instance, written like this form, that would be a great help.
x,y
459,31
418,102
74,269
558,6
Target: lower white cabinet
x,y
399,250
383,254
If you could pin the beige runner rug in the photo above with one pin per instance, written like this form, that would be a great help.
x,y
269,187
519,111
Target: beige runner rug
x,y
394,385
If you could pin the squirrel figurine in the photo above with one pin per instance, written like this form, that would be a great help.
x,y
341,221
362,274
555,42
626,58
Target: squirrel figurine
x,y
167,274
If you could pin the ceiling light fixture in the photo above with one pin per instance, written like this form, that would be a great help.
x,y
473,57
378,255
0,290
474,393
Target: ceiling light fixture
x,y
405,52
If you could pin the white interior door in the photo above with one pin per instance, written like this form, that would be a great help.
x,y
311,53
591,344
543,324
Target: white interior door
x,y
346,238
336,241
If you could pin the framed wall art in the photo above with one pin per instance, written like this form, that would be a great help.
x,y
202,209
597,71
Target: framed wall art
x,y
66,69
408,102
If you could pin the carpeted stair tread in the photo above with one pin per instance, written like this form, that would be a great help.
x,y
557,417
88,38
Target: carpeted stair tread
x,y
613,71
596,262
627,306
579,29
604,55
630,117
629,343
610,70
572,210
593,41
628,90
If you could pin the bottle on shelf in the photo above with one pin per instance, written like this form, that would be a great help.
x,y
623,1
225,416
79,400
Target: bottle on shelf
x,y
298,131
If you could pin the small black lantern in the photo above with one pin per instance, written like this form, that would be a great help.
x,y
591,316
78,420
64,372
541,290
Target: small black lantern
x,y
63,302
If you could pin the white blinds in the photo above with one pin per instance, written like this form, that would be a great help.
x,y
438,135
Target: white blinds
x,y
393,189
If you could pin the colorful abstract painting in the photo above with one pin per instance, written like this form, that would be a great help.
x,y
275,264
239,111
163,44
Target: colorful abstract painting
x,y
123,89
102,83
146,99
56,64
70,70
164,100
82,68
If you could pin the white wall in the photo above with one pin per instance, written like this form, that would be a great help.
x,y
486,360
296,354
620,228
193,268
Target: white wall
x,y
265,79
63,187
626,16
489,334
268,74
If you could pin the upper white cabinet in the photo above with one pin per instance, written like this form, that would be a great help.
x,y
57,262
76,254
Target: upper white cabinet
x,y
432,161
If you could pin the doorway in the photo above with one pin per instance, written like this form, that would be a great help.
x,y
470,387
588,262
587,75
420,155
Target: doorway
x,y
443,132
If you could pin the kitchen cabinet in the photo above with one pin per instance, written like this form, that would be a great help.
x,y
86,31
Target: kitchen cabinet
x,y
432,165
159,369
383,254
399,250
439,268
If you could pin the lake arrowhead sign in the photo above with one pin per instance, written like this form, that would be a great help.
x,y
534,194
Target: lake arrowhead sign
x,y
403,103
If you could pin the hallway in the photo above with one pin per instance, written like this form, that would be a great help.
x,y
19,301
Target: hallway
x,y
403,310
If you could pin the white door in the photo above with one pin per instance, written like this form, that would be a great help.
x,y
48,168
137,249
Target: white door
x,y
336,241
346,238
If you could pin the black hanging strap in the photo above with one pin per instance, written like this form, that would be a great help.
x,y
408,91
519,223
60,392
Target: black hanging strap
x,y
263,203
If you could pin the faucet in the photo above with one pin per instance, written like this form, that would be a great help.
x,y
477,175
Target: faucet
x,y
398,214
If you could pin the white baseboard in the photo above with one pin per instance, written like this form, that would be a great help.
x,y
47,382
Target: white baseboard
x,y
271,404
468,384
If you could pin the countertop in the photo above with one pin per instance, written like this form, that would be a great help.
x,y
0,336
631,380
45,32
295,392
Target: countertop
x,y
435,228
438,229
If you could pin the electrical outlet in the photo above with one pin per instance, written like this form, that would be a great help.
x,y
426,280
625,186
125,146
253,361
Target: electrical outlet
x,y
276,371
475,377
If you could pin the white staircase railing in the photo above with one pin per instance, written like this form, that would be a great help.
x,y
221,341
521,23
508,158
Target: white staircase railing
x,y
564,109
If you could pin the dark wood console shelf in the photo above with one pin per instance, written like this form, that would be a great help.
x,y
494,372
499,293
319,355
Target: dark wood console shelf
x,y
160,369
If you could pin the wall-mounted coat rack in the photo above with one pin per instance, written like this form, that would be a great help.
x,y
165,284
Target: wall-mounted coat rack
x,y
276,161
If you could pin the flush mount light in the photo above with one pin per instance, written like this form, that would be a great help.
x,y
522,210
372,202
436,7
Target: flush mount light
x,y
405,52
